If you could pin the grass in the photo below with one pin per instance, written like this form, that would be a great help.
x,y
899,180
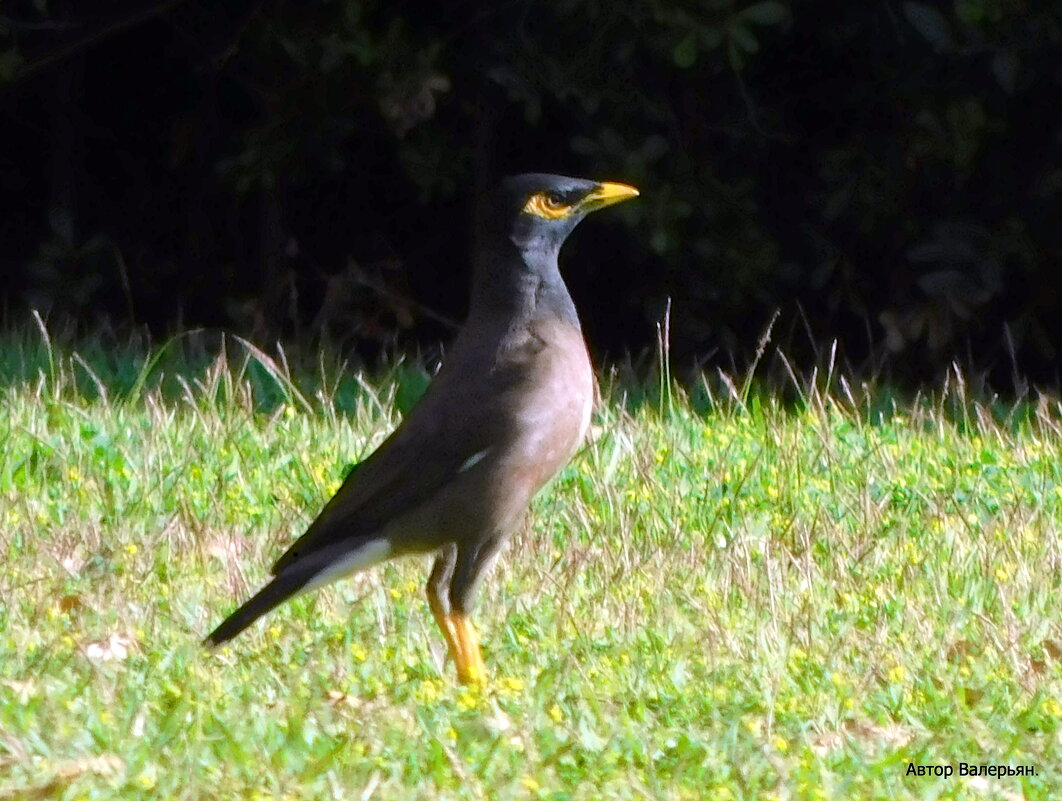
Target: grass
x,y
720,598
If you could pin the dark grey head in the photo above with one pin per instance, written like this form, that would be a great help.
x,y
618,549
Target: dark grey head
x,y
516,273
542,209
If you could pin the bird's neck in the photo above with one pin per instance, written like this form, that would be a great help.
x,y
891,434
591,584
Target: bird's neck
x,y
521,285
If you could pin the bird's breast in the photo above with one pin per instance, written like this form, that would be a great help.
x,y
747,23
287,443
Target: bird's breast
x,y
554,410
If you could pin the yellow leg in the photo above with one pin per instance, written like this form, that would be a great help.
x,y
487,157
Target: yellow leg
x,y
470,667
446,625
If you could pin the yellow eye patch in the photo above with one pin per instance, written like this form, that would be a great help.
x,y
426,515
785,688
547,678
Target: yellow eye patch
x,y
544,205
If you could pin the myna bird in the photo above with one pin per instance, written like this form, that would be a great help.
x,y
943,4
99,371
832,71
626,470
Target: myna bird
x,y
504,415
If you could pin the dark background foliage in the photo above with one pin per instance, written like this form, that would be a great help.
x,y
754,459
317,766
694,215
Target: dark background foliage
x,y
883,174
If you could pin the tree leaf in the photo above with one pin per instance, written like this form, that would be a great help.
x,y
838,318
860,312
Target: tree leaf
x,y
768,12
931,24
10,63
734,55
1005,67
744,38
711,37
684,54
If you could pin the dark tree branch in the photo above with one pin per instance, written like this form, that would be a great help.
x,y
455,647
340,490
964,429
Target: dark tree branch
x,y
61,54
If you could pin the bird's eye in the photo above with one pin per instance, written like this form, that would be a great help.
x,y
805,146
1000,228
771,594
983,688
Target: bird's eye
x,y
547,205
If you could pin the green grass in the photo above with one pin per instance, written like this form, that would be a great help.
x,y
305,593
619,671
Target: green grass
x,y
727,599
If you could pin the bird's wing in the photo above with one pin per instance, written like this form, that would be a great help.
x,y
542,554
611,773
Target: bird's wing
x,y
455,424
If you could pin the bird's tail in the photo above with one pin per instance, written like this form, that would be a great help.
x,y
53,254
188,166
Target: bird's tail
x,y
270,596
308,573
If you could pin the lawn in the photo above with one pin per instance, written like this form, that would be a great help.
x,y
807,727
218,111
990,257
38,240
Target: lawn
x,y
723,597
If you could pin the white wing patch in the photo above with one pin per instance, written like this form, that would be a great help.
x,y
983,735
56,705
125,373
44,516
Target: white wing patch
x,y
473,460
368,554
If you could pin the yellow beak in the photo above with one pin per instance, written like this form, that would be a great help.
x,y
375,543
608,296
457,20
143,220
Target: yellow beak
x,y
606,194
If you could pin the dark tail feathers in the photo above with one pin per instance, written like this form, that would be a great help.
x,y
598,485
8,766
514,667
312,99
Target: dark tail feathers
x,y
270,596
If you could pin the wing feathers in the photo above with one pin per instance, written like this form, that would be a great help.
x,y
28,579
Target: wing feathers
x,y
316,569
269,597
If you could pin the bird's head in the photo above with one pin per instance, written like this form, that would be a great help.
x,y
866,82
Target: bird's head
x,y
533,213
545,208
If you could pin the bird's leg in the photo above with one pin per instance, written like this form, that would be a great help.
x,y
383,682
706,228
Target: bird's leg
x,y
447,627
439,599
472,562
470,669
